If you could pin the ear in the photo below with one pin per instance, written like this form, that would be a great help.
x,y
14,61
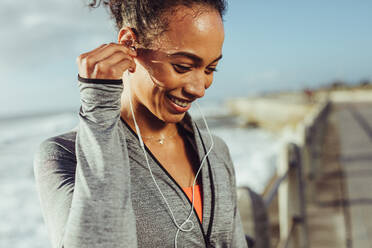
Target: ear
x,y
127,37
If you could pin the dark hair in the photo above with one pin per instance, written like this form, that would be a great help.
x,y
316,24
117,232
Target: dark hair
x,y
146,16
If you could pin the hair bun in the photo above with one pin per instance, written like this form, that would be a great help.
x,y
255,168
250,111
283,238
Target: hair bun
x,y
145,17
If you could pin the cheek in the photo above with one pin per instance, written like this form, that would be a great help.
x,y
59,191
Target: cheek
x,y
163,76
209,81
148,91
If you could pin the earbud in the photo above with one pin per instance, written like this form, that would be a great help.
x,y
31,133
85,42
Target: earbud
x,y
129,44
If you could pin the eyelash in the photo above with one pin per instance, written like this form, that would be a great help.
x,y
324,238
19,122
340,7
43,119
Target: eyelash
x,y
212,70
183,69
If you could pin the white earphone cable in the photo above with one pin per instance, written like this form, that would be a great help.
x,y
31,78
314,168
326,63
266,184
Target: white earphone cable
x,y
179,227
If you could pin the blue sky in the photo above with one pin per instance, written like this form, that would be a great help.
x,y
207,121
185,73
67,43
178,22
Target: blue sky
x,y
269,46
294,44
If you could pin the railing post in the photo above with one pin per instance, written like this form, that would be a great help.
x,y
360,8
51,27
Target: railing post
x,y
292,207
315,134
320,134
297,171
306,163
312,148
283,196
300,215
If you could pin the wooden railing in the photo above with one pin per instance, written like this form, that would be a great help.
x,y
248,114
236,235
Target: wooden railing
x,y
298,169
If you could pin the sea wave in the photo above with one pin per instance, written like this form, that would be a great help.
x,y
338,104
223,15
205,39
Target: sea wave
x,y
253,152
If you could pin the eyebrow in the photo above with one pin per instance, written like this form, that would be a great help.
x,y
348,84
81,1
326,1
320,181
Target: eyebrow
x,y
193,57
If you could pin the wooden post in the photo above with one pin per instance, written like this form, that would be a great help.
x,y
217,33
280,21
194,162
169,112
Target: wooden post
x,y
307,169
283,196
298,169
299,213
292,206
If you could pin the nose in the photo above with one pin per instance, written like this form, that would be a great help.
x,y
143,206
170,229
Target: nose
x,y
197,85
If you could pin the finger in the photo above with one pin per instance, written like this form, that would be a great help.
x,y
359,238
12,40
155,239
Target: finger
x,y
89,62
82,61
83,55
113,71
109,49
112,61
108,66
126,65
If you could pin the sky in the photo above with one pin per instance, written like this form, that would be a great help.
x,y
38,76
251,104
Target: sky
x,y
269,46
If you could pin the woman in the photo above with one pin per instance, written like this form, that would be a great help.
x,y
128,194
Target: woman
x,y
128,174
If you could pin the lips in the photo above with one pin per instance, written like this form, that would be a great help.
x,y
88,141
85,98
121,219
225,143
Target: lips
x,y
179,102
180,105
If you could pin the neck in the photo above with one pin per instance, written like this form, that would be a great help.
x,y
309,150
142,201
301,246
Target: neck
x,y
148,123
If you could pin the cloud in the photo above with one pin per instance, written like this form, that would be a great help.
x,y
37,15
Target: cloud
x,y
40,41
46,29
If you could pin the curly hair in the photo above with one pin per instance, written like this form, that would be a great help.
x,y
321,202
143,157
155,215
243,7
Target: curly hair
x,y
146,16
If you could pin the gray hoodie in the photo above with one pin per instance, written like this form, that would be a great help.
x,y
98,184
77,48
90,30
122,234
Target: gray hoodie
x,y
96,191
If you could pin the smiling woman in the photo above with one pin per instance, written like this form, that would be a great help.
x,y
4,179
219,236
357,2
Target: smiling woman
x,y
138,171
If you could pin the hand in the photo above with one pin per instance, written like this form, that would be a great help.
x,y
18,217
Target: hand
x,y
108,61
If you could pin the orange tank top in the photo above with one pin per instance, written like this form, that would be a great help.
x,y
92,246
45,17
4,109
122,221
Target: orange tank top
x,y
197,200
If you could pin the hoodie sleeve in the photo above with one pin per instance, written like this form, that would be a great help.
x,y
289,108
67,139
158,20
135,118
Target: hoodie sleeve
x,y
97,209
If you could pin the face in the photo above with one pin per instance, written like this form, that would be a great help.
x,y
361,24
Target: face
x,y
179,66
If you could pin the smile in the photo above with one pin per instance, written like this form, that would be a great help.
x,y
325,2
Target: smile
x,y
179,102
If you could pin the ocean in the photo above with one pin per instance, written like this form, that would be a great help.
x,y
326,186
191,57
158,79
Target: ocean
x,y
253,151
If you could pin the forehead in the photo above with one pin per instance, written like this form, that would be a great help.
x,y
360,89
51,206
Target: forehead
x,y
197,30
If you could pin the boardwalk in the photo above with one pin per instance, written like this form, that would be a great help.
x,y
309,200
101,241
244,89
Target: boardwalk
x,y
340,212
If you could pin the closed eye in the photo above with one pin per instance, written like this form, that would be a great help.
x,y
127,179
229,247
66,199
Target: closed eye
x,y
210,70
181,68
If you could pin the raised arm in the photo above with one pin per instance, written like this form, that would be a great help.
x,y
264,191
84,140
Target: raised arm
x,y
94,209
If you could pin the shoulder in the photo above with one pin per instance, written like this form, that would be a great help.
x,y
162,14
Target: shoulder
x,y
54,168
220,147
60,146
220,151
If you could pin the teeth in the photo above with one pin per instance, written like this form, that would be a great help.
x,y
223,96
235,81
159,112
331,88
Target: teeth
x,y
179,102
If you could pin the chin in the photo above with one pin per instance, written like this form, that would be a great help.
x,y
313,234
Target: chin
x,y
172,118
166,113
